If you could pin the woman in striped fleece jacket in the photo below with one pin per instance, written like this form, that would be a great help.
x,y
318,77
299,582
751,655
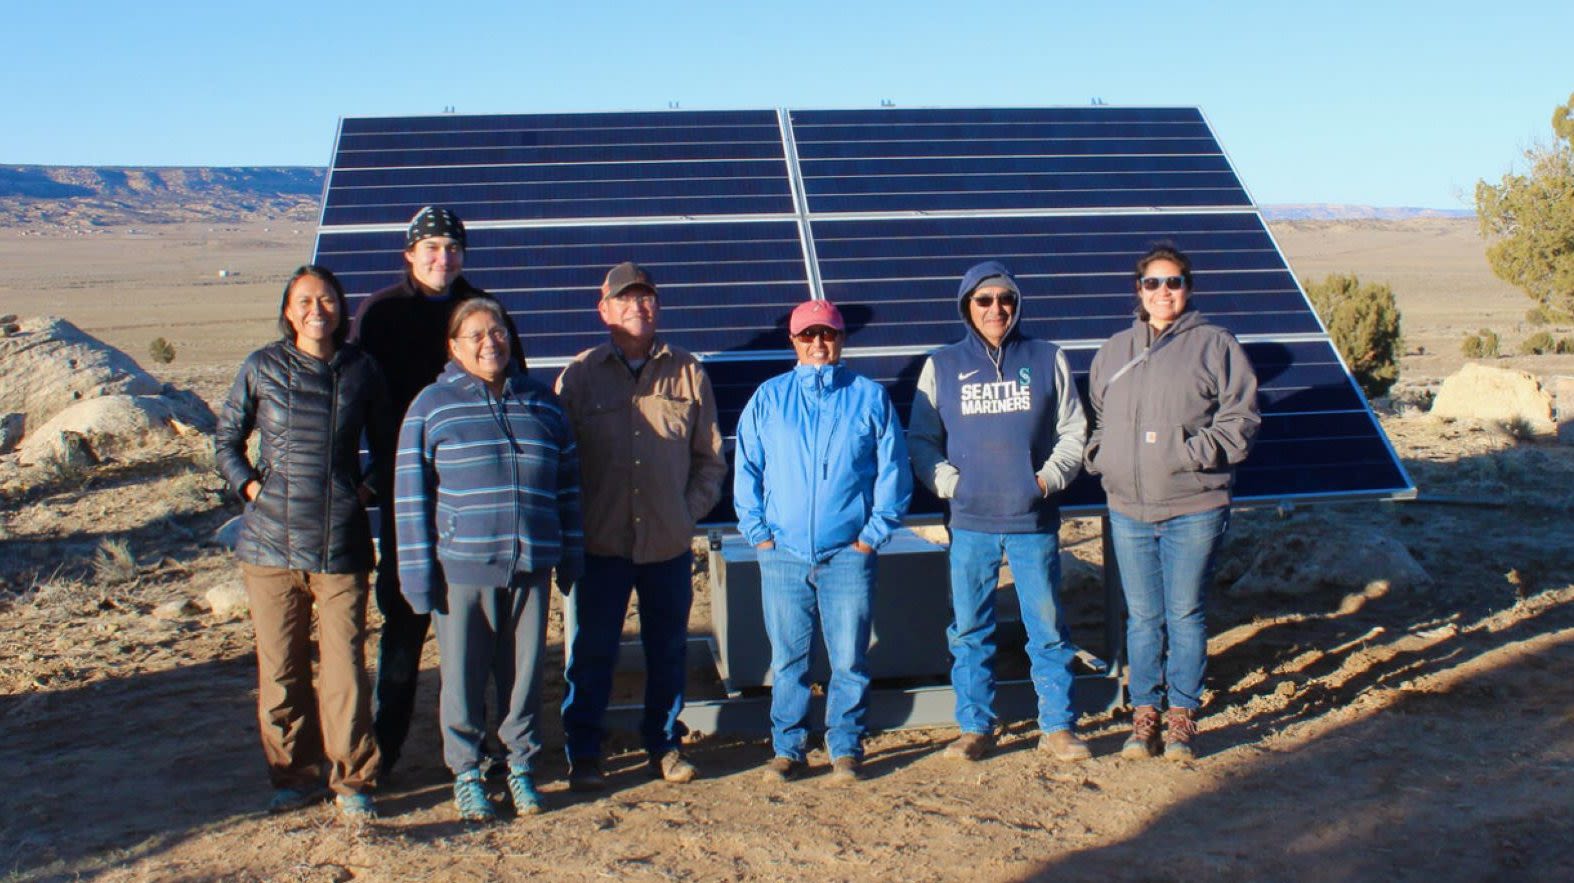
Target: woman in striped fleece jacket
x,y
486,504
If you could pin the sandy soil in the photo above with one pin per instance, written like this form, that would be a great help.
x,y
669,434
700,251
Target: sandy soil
x,y
1351,732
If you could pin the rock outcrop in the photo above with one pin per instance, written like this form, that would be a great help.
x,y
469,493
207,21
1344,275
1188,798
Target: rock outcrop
x,y
60,385
1479,392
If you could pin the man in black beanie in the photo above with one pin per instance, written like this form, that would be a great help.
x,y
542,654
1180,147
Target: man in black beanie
x,y
404,328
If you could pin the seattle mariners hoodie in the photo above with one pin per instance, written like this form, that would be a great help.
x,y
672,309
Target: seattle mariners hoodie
x,y
986,422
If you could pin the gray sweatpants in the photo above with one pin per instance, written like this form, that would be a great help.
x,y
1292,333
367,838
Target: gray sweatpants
x,y
492,633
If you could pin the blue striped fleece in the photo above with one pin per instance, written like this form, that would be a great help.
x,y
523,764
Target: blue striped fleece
x,y
485,486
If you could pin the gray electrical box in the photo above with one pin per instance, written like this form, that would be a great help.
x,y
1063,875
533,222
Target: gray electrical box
x,y
912,607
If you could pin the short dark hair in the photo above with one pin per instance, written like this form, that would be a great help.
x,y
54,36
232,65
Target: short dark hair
x,y
341,333
1161,251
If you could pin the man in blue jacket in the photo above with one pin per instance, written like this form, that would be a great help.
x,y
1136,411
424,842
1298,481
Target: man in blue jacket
x,y
997,430
821,482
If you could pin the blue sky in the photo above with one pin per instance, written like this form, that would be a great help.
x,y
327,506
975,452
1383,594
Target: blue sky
x,y
1391,104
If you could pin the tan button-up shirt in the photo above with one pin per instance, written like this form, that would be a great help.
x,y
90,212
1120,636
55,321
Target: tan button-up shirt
x,y
649,450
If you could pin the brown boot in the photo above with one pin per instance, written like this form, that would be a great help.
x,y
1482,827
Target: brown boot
x,y
1180,725
1064,746
1145,741
970,747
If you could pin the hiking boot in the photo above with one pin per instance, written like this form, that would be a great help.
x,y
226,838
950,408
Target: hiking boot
x,y
782,769
673,767
584,775
846,770
356,807
470,798
970,747
522,789
1064,746
292,799
1180,726
1145,741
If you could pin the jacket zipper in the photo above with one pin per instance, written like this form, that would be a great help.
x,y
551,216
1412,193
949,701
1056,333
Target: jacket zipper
x,y
333,426
825,467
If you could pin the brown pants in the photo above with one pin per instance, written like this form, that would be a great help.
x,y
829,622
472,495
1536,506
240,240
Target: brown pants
x,y
301,727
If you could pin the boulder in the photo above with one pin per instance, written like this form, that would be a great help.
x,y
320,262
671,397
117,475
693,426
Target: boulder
x,y
51,364
1303,560
228,601
11,426
1479,392
1563,394
113,424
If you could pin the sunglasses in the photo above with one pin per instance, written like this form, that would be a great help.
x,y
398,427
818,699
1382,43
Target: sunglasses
x,y
1152,283
985,301
819,332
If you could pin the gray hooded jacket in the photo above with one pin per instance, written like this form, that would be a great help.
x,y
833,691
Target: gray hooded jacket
x,y
1173,415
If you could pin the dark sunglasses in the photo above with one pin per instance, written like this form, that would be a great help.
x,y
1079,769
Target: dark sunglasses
x,y
819,332
1152,283
985,301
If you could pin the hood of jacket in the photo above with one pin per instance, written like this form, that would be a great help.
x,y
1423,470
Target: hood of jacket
x,y
455,375
978,275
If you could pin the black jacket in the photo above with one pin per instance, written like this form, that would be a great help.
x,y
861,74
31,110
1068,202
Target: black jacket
x,y
309,416
406,333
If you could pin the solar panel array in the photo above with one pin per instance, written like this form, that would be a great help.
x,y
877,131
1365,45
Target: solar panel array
x,y
740,215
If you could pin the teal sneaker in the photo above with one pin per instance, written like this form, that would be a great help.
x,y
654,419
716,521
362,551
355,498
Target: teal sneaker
x,y
471,800
292,799
356,807
522,788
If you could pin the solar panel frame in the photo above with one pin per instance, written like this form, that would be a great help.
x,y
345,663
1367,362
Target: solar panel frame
x,y
891,348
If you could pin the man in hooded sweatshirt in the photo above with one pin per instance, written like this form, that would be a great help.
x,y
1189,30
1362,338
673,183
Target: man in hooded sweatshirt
x,y
997,431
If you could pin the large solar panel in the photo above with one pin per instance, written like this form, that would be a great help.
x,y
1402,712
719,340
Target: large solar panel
x,y
742,214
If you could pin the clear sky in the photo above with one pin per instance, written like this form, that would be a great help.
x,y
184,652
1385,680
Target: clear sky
x,y
1375,103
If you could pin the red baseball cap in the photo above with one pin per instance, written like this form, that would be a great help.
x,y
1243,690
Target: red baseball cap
x,y
815,312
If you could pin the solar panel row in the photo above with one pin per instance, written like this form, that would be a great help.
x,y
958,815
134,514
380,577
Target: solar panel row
x,y
742,214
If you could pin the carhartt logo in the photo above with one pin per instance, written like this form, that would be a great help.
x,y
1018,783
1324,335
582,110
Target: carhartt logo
x,y
964,376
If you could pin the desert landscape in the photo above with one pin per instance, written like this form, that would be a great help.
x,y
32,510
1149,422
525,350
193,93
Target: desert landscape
x,y
1365,720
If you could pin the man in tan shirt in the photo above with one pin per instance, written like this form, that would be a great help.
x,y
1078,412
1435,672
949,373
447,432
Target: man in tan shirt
x,y
650,456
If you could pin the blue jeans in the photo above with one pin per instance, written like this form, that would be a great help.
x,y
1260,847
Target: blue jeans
x,y
1164,567
975,574
601,601
838,594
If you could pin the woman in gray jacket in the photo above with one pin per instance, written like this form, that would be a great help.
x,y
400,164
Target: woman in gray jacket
x,y
1175,406
305,540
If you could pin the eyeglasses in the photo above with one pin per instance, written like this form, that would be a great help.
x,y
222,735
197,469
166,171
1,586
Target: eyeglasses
x,y
819,332
628,299
985,301
1152,283
496,335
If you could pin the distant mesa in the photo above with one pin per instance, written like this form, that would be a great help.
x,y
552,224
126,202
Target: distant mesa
x,y
1317,211
102,196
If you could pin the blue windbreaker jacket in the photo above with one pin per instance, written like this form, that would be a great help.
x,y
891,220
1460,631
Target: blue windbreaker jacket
x,y
821,462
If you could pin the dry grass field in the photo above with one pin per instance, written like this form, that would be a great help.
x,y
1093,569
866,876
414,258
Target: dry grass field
x,y
1351,732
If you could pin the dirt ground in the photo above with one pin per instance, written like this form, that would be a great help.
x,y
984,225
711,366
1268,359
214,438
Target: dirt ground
x,y
1351,732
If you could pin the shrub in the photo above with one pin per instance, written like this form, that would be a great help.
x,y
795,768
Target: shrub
x,y
113,563
1565,346
162,351
1364,323
1481,345
1541,314
1537,344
